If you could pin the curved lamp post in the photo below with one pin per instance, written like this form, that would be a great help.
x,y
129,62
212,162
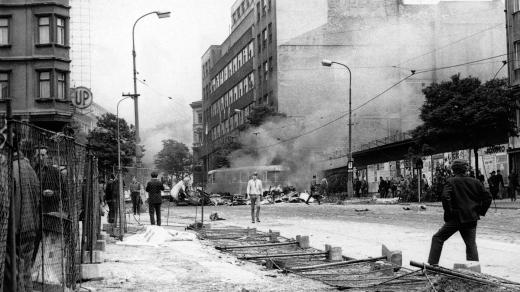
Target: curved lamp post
x,y
120,174
350,165
160,14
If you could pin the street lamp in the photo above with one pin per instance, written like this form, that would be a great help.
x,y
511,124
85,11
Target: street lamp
x,y
350,165
160,14
119,173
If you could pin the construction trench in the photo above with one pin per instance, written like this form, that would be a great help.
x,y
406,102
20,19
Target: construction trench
x,y
383,272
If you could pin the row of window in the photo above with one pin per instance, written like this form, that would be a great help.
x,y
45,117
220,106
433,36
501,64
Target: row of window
x,y
224,102
265,69
262,7
51,84
230,124
264,37
516,5
50,29
242,8
240,59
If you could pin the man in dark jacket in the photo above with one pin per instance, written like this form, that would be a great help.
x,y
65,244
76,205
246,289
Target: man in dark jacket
x,y
154,188
111,195
464,200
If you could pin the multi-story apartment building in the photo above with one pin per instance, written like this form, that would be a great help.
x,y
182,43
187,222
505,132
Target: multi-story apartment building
x,y
34,61
274,51
242,71
87,119
512,9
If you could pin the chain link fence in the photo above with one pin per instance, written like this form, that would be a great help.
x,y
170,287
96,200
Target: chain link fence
x,y
52,183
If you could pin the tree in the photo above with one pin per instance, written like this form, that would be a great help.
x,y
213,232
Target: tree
x,y
174,157
103,140
463,113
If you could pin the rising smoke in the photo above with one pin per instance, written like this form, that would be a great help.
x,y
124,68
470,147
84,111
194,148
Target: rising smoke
x,y
380,50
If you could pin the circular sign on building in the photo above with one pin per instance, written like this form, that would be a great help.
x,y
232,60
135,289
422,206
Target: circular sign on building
x,y
81,97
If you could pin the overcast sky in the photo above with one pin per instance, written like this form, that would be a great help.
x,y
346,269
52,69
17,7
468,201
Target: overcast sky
x,y
168,60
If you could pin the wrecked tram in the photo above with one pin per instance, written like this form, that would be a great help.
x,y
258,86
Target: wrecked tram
x,y
234,180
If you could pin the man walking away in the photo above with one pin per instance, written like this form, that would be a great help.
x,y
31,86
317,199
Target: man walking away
x,y
154,188
254,192
493,185
513,185
135,194
464,200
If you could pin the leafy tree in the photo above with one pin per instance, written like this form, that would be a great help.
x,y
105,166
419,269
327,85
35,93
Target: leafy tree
x,y
259,115
463,113
174,157
103,140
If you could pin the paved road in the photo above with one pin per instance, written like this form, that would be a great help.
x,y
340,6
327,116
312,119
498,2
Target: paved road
x,y
361,234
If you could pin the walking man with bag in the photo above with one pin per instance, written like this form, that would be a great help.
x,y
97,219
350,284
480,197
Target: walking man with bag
x,y
464,200
254,192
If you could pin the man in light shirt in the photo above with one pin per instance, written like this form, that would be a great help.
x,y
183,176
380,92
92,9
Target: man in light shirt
x,y
254,192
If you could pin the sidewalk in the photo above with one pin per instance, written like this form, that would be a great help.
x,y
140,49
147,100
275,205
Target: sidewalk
x,y
187,266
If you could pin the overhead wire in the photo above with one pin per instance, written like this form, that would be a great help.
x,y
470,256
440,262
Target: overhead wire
x,y
375,97
160,93
449,44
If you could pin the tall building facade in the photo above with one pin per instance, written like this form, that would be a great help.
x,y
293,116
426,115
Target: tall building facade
x,y
242,71
274,51
512,9
34,61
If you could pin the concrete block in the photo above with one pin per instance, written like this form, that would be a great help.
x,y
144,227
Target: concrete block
x,y
384,267
468,266
303,241
90,272
101,245
393,256
334,254
273,236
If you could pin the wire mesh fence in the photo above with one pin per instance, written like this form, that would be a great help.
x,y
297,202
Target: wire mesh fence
x,y
55,192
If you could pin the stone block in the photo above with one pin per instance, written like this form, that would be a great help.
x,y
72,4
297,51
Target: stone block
x,y
334,254
303,241
468,266
101,245
90,272
273,236
393,256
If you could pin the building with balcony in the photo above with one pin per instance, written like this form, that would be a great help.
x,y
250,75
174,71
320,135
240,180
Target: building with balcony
x,y
34,61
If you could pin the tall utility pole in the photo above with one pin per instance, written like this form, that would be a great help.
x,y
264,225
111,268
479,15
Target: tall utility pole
x,y
136,104
350,163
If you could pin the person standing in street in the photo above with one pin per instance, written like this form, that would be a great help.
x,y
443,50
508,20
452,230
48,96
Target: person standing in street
x,y
314,190
382,187
154,188
493,185
111,193
135,194
513,185
464,200
254,192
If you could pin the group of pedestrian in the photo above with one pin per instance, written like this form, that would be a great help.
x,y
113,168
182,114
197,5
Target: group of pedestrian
x,y
318,190
360,187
